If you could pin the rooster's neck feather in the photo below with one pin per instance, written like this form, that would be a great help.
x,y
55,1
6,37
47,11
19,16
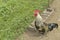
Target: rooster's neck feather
x,y
39,16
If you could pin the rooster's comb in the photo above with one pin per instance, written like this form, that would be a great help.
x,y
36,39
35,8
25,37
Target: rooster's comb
x,y
35,11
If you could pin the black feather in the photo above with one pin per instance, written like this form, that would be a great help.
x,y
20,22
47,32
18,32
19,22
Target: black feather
x,y
51,26
37,27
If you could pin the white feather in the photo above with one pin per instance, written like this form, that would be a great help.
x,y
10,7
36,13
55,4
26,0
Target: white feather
x,y
39,20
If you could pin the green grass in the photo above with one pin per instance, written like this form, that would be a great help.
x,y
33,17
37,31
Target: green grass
x,y
16,15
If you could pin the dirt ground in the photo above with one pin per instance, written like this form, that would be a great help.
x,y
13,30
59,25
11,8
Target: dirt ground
x,y
31,34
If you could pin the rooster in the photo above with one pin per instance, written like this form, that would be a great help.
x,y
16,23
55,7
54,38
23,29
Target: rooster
x,y
39,24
